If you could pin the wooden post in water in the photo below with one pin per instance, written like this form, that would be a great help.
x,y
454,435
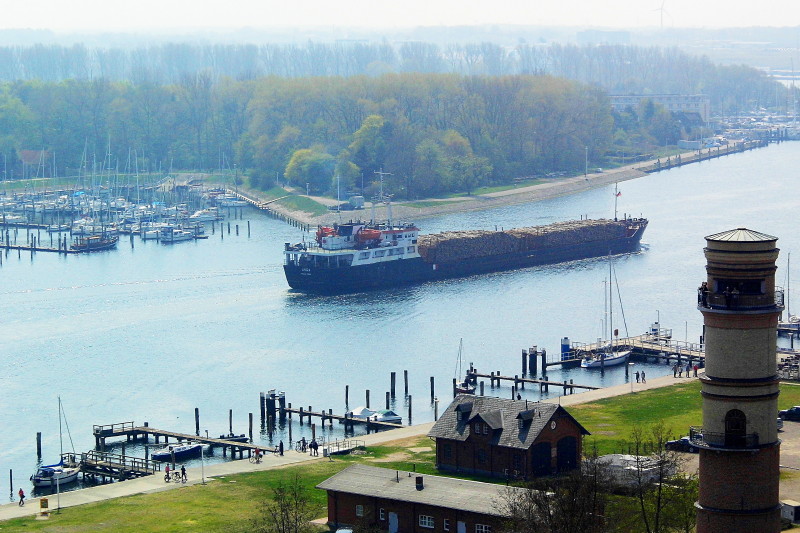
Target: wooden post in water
x,y
197,421
454,387
248,228
230,420
313,431
330,417
261,401
405,380
11,481
524,362
387,399
301,415
237,230
251,426
482,387
409,409
367,398
432,394
347,395
393,379
39,444
532,361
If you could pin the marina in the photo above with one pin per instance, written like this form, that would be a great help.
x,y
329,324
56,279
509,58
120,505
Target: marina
x,y
212,325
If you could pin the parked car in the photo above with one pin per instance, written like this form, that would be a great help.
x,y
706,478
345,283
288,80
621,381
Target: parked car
x,y
683,444
792,413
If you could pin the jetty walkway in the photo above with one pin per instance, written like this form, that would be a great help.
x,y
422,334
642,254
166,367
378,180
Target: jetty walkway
x,y
155,483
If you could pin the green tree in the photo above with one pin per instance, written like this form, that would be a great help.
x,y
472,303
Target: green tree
x,y
313,167
289,511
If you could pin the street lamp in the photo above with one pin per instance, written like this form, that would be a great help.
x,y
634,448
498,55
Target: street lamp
x,y
586,162
630,373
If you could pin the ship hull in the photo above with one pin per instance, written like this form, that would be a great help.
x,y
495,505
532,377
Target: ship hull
x,y
416,270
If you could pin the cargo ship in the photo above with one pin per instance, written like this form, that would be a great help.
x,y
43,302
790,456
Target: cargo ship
x,y
357,256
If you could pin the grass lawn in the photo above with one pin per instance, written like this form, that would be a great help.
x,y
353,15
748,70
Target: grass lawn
x,y
303,203
227,504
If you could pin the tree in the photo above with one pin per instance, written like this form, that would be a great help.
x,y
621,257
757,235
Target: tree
x,y
574,502
313,167
290,510
664,498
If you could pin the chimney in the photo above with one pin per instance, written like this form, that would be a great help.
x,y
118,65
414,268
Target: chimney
x,y
420,485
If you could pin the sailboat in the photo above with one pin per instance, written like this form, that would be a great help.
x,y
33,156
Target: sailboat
x,y
607,355
466,386
56,474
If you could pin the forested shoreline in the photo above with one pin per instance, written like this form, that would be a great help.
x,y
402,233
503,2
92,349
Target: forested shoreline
x,y
211,107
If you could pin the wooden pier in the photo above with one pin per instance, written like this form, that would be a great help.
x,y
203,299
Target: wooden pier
x,y
519,382
132,432
342,419
265,207
111,466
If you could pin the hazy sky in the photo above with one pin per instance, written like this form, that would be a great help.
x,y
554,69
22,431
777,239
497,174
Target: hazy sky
x,y
159,14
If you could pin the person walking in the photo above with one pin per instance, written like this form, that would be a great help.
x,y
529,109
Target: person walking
x,y
303,445
695,370
314,446
680,371
21,497
675,370
688,370
637,376
184,479
643,378
280,448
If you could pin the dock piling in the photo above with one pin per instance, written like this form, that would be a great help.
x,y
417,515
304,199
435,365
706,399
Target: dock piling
x,y
524,362
346,396
405,381
367,398
409,409
196,421
261,401
230,420
39,444
251,426
387,399
432,394
393,379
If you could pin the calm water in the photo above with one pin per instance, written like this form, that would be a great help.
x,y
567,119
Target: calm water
x,y
151,332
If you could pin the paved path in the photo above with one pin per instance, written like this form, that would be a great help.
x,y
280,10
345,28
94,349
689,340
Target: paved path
x,y
156,482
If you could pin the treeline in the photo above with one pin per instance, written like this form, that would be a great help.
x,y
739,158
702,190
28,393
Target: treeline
x,y
618,69
432,132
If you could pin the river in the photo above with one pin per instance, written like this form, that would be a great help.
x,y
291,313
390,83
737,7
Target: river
x,y
148,333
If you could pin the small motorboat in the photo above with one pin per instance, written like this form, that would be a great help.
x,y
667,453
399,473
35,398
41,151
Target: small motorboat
x,y
178,452
52,475
361,412
235,438
386,415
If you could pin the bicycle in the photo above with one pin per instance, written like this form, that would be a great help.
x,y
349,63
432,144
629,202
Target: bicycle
x,y
255,459
176,477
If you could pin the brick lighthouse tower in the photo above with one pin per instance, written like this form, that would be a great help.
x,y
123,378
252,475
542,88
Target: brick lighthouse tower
x,y
739,457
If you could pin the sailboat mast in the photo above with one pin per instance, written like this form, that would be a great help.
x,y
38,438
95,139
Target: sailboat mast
x,y
610,306
60,438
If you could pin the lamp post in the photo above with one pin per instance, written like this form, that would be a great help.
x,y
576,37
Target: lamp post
x,y
586,162
630,373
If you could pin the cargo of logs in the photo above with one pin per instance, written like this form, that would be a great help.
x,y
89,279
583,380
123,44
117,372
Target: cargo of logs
x,y
454,246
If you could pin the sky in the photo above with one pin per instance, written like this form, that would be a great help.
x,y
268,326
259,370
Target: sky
x,y
116,15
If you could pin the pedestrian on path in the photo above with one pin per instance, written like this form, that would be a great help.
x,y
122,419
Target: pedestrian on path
x,y
314,446
280,448
643,378
184,479
303,445
675,370
637,376
680,371
688,369
21,497
695,370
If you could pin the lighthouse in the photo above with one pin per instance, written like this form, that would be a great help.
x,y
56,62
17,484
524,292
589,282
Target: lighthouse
x,y
740,452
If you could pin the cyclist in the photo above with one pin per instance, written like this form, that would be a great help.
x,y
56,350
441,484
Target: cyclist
x,y
166,474
258,455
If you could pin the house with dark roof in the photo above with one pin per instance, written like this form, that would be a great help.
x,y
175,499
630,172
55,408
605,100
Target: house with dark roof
x,y
507,438
396,501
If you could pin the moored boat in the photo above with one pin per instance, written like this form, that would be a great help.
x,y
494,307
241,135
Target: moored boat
x,y
52,475
603,359
176,452
235,438
386,415
95,243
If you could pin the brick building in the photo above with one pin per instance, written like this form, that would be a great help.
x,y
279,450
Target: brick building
x,y
395,501
506,438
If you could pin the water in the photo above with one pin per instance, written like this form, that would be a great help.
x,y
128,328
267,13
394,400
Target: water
x,y
151,332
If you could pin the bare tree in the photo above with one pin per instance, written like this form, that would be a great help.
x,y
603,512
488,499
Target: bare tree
x,y
290,510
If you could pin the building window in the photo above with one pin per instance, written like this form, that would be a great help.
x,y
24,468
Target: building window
x,y
481,456
477,428
381,514
446,524
486,429
359,510
447,451
483,528
426,521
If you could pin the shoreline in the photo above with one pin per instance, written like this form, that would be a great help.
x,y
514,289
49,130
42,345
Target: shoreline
x,y
550,188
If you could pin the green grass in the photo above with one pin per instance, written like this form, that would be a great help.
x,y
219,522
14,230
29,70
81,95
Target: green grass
x,y
304,204
227,504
